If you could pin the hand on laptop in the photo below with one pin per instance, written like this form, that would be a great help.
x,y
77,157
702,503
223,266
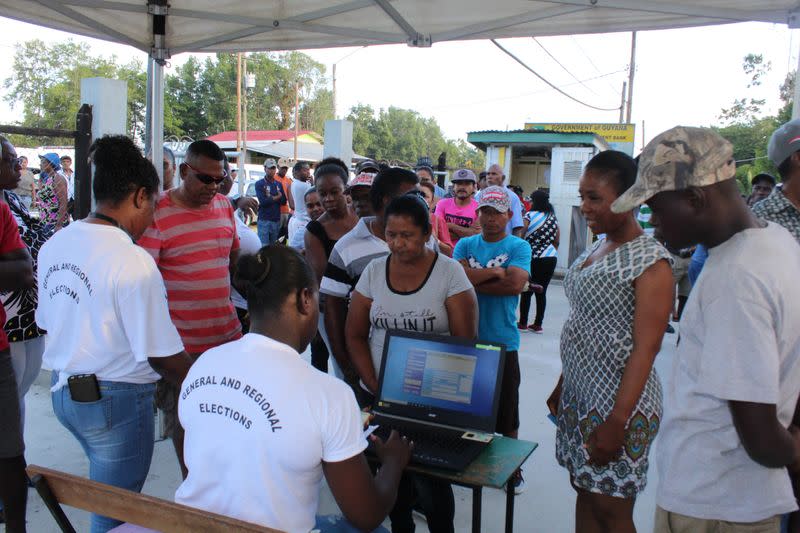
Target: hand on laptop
x,y
396,449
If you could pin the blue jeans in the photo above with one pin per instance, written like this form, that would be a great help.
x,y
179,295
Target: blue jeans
x,y
268,231
339,524
116,433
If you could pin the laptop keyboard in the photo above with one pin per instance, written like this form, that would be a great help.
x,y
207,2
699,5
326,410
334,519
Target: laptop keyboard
x,y
432,446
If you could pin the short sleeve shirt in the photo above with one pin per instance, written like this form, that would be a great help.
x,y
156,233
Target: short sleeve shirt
x,y
453,213
104,306
192,249
9,241
739,342
497,314
779,209
259,423
422,310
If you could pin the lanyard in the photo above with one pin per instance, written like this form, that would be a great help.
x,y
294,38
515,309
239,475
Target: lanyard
x,y
110,220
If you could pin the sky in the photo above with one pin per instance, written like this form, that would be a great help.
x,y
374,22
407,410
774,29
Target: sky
x,y
683,76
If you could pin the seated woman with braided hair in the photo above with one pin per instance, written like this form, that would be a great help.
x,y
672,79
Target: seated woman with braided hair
x,y
263,426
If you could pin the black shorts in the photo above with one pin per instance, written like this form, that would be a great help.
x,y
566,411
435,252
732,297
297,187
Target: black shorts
x,y
11,444
508,412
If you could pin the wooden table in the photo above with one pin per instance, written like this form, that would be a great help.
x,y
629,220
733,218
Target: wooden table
x,y
492,468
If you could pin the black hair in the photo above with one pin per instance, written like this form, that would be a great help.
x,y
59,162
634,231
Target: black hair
x,y
386,184
309,191
332,165
120,169
540,201
785,169
300,164
763,177
618,166
270,276
412,206
205,148
428,185
167,152
427,169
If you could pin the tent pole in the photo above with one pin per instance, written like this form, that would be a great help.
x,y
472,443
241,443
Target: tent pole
x,y
795,106
155,109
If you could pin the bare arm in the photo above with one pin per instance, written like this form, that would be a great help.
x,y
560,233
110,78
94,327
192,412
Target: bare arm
x,y
172,368
335,315
365,501
461,231
476,276
315,255
462,314
765,440
16,270
357,340
653,301
63,199
511,285
289,197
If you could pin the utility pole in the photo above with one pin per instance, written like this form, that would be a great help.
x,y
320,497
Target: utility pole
x,y
296,116
239,106
631,71
335,114
244,113
622,102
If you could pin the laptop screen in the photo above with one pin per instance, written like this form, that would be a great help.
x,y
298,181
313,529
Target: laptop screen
x,y
441,379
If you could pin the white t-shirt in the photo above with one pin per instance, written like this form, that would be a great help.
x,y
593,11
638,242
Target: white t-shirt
x,y
249,244
103,303
422,310
259,422
299,189
740,341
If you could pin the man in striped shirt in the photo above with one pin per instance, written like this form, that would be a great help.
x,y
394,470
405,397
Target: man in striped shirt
x,y
194,243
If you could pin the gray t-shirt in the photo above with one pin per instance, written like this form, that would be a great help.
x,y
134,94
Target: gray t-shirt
x,y
422,310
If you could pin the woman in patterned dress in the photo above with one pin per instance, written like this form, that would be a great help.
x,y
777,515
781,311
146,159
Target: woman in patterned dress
x,y
608,399
53,194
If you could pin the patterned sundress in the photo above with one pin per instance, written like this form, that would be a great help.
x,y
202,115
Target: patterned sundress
x,y
47,201
596,343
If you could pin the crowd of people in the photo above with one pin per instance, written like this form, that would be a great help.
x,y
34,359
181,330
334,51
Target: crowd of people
x,y
167,298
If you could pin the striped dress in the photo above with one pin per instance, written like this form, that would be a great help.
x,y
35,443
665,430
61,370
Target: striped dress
x,y
192,249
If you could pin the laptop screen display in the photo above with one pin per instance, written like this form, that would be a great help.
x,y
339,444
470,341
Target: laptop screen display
x,y
431,374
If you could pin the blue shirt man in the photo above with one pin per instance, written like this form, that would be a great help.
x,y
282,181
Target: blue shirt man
x,y
271,197
498,265
496,177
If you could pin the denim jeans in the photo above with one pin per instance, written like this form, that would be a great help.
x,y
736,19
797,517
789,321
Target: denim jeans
x,y
268,231
26,356
116,433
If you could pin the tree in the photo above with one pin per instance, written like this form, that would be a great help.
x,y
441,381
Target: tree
x,y
404,135
46,80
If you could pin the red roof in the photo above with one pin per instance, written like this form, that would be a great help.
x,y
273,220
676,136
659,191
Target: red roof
x,y
260,135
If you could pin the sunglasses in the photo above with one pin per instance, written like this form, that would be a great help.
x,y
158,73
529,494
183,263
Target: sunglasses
x,y
205,178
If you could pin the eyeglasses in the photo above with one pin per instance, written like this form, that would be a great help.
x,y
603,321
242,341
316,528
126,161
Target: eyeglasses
x,y
205,178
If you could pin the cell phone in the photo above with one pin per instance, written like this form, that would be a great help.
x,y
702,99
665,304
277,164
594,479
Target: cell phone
x,y
83,388
552,418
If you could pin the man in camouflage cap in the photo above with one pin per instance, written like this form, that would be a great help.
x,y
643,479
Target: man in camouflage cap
x,y
723,446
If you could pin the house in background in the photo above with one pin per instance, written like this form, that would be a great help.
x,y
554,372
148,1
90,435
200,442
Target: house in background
x,y
278,144
551,160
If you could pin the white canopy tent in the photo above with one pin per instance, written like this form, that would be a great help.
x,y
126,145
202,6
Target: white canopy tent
x,y
163,28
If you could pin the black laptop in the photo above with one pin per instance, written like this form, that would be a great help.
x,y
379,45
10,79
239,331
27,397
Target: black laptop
x,y
440,392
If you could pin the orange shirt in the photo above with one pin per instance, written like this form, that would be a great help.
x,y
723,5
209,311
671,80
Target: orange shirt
x,y
286,182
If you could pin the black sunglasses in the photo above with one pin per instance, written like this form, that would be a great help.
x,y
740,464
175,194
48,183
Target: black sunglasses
x,y
205,178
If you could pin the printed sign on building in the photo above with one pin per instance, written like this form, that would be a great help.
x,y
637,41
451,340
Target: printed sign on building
x,y
618,136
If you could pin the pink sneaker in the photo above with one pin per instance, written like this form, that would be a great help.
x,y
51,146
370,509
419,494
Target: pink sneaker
x,y
536,329
522,327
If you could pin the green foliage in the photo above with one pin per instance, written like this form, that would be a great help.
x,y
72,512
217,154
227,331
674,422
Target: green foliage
x,y
747,131
46,80
404,135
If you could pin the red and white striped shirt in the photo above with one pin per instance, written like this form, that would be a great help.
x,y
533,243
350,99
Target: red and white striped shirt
x,y
192,249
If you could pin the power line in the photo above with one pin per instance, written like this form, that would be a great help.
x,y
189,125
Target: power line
x,y
546,51
589,59
529,69
522,95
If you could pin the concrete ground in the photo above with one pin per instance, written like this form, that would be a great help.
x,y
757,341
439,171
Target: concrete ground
x,y
546,506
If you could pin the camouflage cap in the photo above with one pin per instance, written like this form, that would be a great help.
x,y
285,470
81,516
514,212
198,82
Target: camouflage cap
x,y
679,158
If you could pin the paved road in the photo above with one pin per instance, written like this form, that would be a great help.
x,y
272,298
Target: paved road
x,y
547,505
